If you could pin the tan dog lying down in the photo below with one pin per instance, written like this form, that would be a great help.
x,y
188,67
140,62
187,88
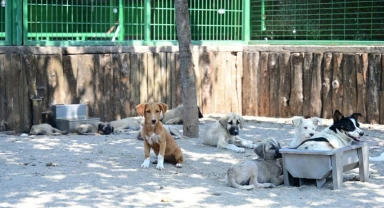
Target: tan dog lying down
x,y
92,129
224,134
264,172
45,129
132,123
157,138
175,115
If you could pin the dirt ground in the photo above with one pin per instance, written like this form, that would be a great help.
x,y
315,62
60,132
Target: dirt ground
x,y
104,171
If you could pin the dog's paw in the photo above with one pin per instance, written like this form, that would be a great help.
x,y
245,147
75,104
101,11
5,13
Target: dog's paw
x,y
159,166
251,146
240,150
145,163
179,165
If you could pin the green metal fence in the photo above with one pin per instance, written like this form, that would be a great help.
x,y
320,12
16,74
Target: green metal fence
x,y
150,22
318,21
74,22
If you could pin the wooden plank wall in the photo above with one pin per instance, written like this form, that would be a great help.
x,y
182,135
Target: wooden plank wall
x,y
257,83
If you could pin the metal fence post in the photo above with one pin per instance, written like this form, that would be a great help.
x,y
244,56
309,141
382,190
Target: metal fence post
x,y
246,21
8,22
25,22
121,20
147,21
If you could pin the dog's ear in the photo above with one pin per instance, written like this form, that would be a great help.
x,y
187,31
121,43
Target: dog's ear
x,y
356,115
224,121
259,150
100,126
140,109
316,120
163,107
242,121
337,116
296,120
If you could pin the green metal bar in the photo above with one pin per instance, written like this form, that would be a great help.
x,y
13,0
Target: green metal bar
x,y
25,21
246,21
8,22
262,24
147,21
121,20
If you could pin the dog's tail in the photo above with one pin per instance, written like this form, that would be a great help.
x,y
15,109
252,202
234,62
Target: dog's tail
x,y
232,182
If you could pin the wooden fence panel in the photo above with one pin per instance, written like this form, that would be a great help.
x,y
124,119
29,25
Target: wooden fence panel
x,y
207,71
70,68
274,80
85,85
374,75
307,83
337,84
117,85
250,81
12,68
361,61
349,82
127,92
264,85
326,92
296,101
316,83
3,97
285,85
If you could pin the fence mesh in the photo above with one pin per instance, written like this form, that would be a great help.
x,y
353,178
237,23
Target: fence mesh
x,y
317,20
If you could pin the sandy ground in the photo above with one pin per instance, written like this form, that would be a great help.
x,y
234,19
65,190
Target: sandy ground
x,y
104,171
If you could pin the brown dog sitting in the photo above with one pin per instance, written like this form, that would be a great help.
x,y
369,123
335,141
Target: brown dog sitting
x,y
157,138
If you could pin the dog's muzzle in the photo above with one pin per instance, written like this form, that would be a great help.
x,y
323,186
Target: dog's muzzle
x,y
233,131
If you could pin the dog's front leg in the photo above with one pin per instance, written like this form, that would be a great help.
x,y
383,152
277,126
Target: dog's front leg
x,y
147,150
245,143
224,144
160,156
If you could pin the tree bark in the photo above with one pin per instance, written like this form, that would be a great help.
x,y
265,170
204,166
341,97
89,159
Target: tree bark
x,y
187,79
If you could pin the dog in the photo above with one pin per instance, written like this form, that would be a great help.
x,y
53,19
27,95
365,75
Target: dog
x,y
157,138
341,133
92,129
175,115
264,172
224,133
304,128
173,131
379,158
130,123
45,129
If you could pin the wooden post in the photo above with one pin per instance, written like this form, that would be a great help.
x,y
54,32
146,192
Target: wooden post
x,y
274,79
250,81
348,66
285,84
373,89
307,83
296,101
326,92
264,85
315,102
361,61
337,84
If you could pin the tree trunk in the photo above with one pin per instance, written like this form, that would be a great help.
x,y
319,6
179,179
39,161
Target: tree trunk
x,y
187,79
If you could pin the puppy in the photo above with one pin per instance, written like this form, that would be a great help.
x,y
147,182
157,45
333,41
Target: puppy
x,y
264,172
132,123
175,115
157,138
341,133
304,129
45,129
224,134
92,129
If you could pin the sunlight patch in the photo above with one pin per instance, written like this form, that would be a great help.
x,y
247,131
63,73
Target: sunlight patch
x,y
56,178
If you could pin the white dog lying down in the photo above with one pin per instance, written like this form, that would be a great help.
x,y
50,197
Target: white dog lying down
x,y
379,158
224,133
304,129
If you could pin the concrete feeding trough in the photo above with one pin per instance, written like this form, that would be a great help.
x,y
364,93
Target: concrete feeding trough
x,y
70,117
318,165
